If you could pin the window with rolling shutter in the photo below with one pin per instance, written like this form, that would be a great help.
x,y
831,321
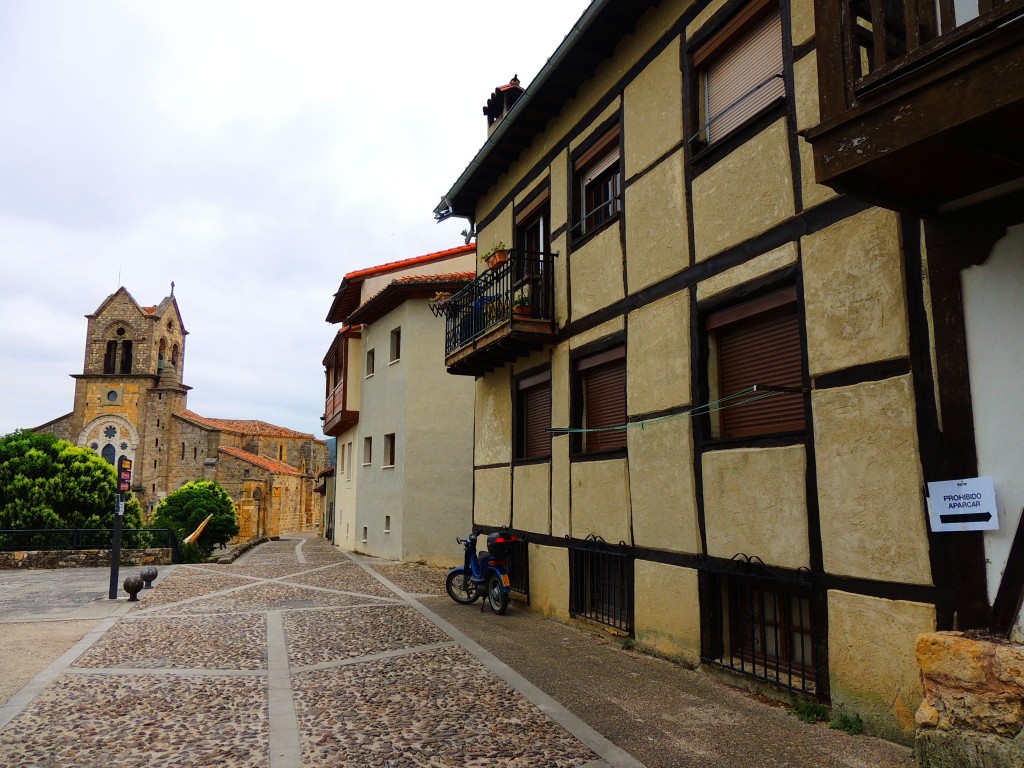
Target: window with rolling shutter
x,y
602,385
758,343
597,188
533,416
740,72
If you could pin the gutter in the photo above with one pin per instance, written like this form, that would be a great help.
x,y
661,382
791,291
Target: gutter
x,y
444,209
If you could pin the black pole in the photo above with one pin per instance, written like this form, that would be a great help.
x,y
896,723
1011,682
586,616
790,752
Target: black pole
x,y
115,547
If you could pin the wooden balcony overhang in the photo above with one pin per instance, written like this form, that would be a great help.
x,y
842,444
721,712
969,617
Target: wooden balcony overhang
x,y
500,345
927,130
340,421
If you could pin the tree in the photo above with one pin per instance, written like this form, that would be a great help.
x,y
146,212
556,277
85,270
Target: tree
x,y
184,509
50,483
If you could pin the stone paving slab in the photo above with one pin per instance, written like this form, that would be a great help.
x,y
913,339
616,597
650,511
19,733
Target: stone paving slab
x,y
201,642
415,578
316,637
141,721
266,596
346,577
187,582
441,708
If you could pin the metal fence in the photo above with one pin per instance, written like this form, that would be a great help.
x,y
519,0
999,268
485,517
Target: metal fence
x,y
519,567
48,539
762,624
522,286
601,583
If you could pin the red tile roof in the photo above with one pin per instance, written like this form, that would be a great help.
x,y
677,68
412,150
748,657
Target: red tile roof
x,y
408,287
149,310
271,465
346,299
245,426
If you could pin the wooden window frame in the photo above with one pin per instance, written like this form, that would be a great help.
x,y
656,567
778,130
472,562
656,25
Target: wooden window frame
x,y
772,317
584,369
526,432
597,167
712,51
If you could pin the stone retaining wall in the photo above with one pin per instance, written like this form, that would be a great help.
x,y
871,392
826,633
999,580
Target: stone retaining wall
x,y
972,715
83,558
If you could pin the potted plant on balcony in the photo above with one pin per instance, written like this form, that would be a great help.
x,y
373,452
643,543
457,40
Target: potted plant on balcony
x,y
496,256
521,305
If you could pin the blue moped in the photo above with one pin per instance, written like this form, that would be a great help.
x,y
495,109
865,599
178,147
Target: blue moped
x,y
483,574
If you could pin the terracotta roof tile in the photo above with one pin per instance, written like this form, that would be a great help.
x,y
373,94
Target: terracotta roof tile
x,y
426,258
271,465
402,288
245,426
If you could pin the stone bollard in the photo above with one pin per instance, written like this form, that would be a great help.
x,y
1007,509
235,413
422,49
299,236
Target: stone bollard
x,y
133,585
148,574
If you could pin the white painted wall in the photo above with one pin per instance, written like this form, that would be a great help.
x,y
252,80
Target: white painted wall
x,y
993,298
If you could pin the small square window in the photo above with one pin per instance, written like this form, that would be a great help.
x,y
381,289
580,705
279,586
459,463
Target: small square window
x,y
367,451
739,71
369,363
597,185
600,401
389,450
396,345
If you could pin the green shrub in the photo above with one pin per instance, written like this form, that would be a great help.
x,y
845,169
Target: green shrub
x,y
810,711
852,724
191,552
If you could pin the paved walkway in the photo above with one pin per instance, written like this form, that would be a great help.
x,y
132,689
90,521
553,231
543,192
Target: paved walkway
x,y
299,655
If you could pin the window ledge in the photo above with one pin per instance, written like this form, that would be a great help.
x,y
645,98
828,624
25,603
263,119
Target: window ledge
x,y
588,236
776,440
387,466
392,362
614,453
526,461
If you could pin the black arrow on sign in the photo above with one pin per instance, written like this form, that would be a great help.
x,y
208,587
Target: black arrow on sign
x,y
968,517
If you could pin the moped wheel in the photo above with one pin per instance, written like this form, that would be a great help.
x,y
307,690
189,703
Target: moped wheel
x,y
460,588
496,595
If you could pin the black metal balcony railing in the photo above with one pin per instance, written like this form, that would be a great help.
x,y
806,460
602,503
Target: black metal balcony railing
x,y
522,287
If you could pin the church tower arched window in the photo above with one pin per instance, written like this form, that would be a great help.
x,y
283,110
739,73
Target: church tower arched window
x,y
126,356
110,358
109,453
174,356
161,353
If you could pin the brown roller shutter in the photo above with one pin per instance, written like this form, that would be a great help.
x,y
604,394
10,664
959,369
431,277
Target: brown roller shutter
x,y
604,403
536,403
763,350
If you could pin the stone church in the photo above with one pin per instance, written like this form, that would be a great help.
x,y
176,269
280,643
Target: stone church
x,y
130,401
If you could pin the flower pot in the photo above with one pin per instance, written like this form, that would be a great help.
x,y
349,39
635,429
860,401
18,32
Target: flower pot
x,y
497,258
522,310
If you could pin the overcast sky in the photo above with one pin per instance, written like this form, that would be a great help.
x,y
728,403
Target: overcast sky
x,y
251,152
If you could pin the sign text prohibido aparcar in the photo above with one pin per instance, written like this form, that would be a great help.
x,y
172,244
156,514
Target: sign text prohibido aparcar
x,y
963,505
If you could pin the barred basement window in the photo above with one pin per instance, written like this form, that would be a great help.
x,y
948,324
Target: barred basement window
x,y
601,585
519,567
761,624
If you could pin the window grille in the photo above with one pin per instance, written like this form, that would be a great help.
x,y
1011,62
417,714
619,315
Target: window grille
x,y
601,584
762,624
519,567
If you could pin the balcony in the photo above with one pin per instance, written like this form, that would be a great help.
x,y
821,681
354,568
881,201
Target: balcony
x,y
505,313
922,101
336,418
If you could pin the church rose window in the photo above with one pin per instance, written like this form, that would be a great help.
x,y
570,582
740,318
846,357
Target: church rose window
x,y
109,432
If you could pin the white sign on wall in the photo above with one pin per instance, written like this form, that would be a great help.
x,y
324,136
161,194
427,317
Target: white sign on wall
x,y
963,505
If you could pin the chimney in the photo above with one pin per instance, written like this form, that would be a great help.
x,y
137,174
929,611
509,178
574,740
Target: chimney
x,y
501,101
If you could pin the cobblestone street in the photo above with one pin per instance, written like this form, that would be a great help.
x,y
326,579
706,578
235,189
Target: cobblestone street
x,y
295,656
299,655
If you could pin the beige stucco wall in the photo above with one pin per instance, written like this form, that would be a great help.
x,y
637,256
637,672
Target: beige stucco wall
x,y
493,441
666,611
560,468
613,326
531,505
656,236
491,499
743,194
549,581
854,292
596,273
801,13
653,111
870,482
755,503
658,355
498,231
872,668
757,267
661,486
600,500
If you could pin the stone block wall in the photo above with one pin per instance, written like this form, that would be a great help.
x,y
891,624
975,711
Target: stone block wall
x,y
972,715
82,558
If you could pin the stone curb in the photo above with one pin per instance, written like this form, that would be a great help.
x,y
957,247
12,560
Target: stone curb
x,y
238,550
